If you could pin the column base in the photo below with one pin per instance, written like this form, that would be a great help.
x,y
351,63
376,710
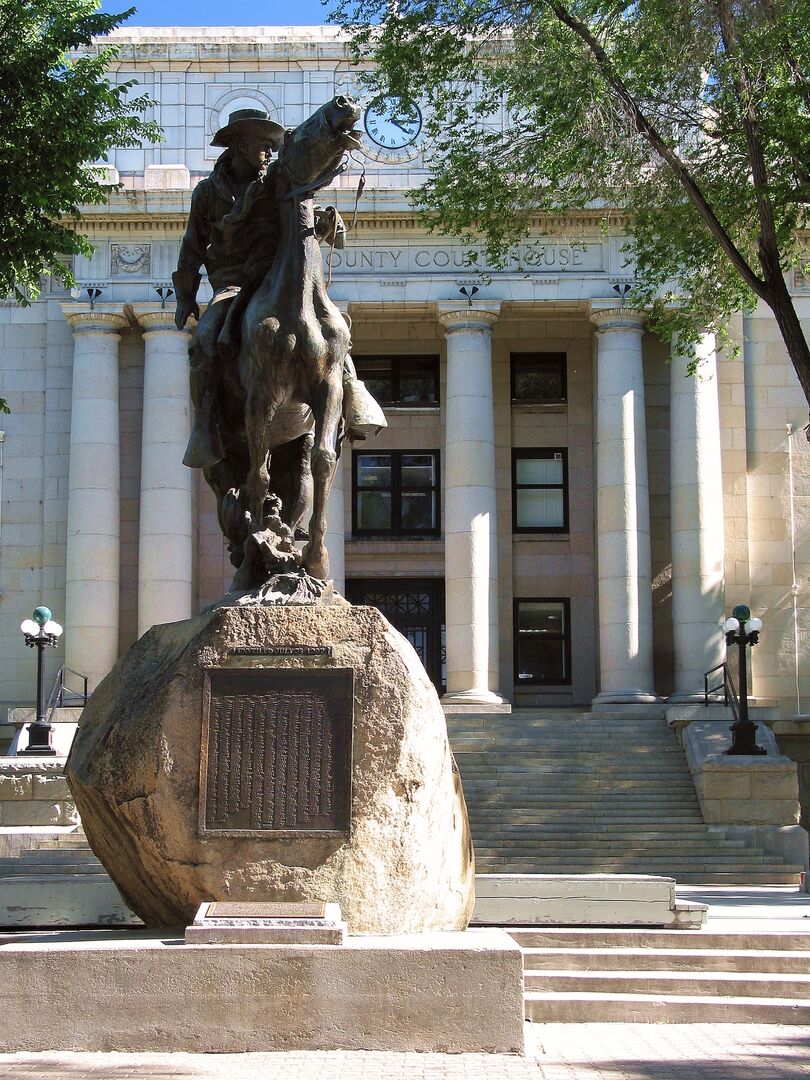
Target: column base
x,y
475,697
626,697
696,698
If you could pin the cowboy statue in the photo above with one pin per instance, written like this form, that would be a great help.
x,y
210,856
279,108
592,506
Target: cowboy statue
x,y
233,232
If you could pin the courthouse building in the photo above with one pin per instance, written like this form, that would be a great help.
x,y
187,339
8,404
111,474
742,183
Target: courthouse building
x,y
554,515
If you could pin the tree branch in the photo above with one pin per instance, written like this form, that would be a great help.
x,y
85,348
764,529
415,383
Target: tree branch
x,y
646,130
743,89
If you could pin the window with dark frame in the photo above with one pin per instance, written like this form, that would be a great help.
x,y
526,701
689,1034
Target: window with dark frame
x,y
539,378
395,493
540,490
400,381
542,642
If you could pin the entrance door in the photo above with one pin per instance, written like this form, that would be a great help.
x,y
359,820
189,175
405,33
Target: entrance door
x,y
415,606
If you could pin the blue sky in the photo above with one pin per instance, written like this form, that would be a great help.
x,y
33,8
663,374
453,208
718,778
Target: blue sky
x,y
222,12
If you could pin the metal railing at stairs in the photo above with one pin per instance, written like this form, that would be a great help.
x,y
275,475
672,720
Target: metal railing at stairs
x,y
743,729
64,696
725,686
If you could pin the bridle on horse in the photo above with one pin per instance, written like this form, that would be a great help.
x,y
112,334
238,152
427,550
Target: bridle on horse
x,y
310,188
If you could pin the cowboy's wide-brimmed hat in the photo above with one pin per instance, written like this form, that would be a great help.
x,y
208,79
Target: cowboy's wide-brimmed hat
x,y
249,124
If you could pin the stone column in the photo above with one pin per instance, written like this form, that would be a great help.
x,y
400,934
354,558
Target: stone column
x,y
622,511
470,525
696,503
335,526
92,578
165,541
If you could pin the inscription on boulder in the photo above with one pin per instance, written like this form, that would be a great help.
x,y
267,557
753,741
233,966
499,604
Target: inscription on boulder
x,y
276,751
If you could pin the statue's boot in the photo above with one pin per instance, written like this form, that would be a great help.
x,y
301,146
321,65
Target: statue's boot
x,y
205,443
362,414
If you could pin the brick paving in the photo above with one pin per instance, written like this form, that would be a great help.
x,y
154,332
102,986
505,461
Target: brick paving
x,y
554,1052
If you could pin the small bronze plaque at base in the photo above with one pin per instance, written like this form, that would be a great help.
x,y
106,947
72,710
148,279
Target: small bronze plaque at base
x,y
292,909
266,924
276,758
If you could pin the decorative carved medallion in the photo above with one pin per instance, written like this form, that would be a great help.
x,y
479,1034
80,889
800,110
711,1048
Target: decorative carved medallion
x,y
130,259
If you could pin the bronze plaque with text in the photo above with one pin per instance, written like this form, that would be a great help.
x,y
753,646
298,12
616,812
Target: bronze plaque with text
x,y
276,751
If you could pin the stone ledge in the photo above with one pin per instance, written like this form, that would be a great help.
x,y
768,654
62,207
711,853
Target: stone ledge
x,y
582,900
441,992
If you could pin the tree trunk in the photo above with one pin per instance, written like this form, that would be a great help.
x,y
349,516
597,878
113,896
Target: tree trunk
x,y
779,300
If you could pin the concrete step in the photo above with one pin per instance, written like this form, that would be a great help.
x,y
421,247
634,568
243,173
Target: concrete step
x,y
583,1007
775,961
29,869
754,984
53,900
53,855
571,842
782,876
633,829
562,814
588,938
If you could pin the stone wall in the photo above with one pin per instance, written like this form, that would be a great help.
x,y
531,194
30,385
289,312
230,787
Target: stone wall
x,y
35,793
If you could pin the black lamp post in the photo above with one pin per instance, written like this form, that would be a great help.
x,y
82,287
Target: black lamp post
x,y
39,632
741,630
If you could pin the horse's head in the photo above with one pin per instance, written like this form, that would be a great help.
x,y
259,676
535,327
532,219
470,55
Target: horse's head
x,y
314,149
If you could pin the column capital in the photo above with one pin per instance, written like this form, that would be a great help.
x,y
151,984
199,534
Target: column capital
x,y
470,318
154,319
109,319
613,317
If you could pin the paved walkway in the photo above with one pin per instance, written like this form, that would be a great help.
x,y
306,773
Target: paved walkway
x,y
554,1052
751,908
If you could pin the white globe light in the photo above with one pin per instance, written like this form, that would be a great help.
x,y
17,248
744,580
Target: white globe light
x,y
52,628
28,626
730,625
753,626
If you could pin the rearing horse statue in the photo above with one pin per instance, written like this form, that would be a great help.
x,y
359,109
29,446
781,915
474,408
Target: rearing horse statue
x,y
294,338
294,342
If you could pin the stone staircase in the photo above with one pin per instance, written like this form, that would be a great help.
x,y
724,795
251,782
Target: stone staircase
x,y
564,792
665,976
58,881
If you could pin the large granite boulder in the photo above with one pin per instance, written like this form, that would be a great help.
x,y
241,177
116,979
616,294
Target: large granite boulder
x,y
222,759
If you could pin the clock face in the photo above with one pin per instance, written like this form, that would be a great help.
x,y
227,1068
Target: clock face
x,y
392,124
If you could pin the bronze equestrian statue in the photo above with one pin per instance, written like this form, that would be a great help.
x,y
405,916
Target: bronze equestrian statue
x,y
273,386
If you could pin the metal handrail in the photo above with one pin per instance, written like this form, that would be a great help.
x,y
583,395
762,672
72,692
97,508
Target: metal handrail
x,y
727,686
56,698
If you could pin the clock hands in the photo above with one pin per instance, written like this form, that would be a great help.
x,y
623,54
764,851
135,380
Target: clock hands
x,y
402,127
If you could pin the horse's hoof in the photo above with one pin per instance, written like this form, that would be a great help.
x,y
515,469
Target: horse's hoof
x,y
316,561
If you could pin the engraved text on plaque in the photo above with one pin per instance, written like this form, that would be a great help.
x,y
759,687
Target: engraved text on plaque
x,y
276,751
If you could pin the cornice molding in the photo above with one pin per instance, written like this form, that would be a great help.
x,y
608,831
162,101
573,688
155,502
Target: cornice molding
x,y
385,224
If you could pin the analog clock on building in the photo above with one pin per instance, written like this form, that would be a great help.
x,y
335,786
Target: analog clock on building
x,y
393,126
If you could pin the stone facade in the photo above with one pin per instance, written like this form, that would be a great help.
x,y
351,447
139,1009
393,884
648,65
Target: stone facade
x,y
695,499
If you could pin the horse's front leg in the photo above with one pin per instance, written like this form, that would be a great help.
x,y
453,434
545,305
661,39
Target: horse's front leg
x,y
327,408
257,425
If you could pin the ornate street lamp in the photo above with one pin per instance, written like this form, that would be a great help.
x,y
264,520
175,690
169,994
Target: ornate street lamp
x,y
742,630
39,632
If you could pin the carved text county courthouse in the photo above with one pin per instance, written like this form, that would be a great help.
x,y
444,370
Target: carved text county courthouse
x,y
552,498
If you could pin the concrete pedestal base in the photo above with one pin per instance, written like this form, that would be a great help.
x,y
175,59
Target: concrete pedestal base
x,y
136,990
